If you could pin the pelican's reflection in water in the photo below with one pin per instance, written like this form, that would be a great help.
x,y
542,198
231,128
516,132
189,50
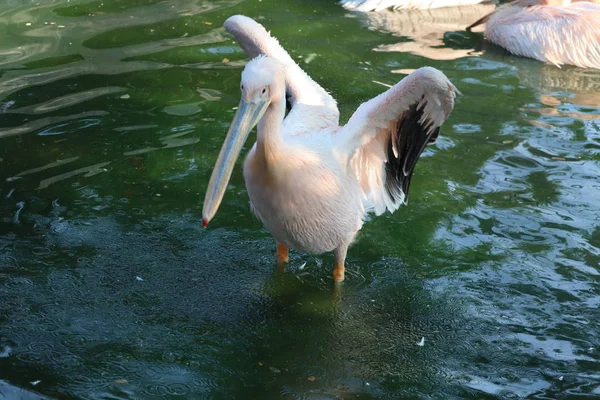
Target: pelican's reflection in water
x,y
559,87
426,28
561,91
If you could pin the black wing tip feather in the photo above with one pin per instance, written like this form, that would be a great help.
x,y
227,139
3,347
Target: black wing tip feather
x,y
434,136
411,136
288,101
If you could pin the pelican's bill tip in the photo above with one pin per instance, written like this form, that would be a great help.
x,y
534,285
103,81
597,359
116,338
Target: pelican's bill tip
x,y
204,222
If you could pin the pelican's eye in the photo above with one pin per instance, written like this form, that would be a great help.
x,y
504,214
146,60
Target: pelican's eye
x,y
264,90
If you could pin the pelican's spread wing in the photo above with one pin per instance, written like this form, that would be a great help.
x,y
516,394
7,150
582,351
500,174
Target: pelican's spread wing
x,y
378,5
384,138
313,109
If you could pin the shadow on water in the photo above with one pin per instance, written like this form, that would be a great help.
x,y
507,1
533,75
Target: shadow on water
x,y
111,117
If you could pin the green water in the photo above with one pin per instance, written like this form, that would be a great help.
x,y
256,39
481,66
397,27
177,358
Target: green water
x,y
112,113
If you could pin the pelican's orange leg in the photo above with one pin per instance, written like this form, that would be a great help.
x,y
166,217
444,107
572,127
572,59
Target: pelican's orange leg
x,y
283,254
338,272
340,259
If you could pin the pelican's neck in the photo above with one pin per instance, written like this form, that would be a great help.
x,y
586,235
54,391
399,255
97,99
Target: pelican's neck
x,y
269,140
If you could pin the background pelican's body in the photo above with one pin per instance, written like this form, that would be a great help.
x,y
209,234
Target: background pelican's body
x,y
310,181
378,5
555,31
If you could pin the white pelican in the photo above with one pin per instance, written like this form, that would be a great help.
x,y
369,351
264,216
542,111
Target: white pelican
x,y
310,181
378,5
556,31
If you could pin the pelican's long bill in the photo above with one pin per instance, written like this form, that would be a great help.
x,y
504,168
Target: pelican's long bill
x,y
246,118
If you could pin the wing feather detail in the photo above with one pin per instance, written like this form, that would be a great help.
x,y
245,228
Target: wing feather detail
x,y
385,137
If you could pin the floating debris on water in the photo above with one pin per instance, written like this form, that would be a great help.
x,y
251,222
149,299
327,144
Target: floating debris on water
x,y
6,351
20,206
210,95
6,105
310,57
403,71
421,342
382,84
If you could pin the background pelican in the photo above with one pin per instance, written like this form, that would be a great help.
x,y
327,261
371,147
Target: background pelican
x,y
556,31
309,181
378,5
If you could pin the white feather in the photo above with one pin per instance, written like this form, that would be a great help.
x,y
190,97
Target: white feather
x,y
378,5
568,34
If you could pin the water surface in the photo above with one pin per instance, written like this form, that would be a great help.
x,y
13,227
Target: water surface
x,y
112,114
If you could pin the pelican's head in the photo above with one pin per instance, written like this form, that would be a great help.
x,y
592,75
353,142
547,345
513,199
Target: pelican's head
x,y
263,79
263,82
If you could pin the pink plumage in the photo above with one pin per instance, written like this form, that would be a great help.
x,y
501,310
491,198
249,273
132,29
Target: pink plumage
x,y
567,33
378,5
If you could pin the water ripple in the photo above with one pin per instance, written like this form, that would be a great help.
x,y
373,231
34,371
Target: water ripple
x,y
43,122
486,285
87,171
66,101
